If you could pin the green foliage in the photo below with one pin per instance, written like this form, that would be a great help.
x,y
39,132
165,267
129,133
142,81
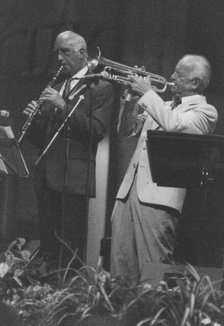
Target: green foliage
x,y
92,297
16,269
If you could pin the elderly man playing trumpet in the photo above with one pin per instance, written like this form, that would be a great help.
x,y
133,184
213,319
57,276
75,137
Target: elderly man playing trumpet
x,y
145,216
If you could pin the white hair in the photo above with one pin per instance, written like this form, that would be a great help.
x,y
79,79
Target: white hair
x,y
74,39
199,68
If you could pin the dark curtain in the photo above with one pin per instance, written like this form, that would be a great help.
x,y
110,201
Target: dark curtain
x,y
150,33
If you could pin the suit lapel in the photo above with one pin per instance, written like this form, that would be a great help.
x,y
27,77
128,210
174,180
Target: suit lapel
x,y
73,91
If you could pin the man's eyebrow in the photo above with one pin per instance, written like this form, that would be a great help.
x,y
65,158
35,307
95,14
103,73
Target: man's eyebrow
x,y
62,49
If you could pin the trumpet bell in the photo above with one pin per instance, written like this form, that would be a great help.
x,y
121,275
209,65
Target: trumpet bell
x,y
92,64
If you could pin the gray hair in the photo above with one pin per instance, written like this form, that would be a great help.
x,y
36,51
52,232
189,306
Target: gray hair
x,y
74,39
199,68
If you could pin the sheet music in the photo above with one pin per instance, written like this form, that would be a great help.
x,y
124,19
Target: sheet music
x,y
6,132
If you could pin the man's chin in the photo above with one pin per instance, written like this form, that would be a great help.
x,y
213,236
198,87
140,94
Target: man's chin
x,y
173,89
67,71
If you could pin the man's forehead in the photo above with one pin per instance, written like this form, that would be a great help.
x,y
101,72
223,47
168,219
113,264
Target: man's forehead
x,y
63,44
67,44
58,46
184,64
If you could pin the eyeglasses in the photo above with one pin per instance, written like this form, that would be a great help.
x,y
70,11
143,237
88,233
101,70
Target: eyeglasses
x,y
65,50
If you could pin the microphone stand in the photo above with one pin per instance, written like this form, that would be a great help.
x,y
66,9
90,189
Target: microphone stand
x,y
65,197
90,85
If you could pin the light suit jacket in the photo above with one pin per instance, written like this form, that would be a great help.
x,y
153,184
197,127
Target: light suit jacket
x,y
194,115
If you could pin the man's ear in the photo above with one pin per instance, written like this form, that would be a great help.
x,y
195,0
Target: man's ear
x,y
196,83
81,51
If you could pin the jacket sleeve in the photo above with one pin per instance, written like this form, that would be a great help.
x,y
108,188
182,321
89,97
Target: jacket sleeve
x,y
129,123
37,131
200,120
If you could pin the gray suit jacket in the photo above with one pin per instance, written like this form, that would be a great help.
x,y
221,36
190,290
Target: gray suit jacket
x,y
194,116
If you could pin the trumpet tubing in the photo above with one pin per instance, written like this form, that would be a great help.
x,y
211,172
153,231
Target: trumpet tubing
x,y
39,103
120,72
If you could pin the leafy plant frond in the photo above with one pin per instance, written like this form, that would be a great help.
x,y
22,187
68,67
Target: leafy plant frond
x,y
193,301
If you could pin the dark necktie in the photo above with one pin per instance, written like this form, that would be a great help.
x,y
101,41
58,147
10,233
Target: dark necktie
x,y
176,102
67,88
53,118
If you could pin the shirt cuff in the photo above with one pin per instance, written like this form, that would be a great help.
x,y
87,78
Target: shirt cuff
x,y
147,98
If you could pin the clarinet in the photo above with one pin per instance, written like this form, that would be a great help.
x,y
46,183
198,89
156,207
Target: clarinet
x,y
39,103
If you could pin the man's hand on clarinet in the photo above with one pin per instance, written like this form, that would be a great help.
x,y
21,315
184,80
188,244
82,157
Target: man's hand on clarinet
x,y
50,94
31,108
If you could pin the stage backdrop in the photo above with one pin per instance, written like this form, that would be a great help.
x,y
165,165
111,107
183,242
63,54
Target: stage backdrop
x,y
150,33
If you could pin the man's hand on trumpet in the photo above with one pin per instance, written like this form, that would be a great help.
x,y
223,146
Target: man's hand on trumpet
x,y
139,85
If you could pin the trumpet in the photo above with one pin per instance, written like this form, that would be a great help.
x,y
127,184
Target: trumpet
x,y
120,72
39,103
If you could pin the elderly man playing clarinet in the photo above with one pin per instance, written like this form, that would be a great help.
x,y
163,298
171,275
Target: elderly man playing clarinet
x,y
65,177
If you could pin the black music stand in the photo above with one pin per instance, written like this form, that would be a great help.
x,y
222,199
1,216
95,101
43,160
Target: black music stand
x,y
187,161
12,165
11,158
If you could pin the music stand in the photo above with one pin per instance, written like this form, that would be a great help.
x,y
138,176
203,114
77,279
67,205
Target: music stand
x,y
12,165
11,158
187,161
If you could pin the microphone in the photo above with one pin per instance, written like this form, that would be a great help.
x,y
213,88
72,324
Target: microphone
x,y
4,118
4,114
103,75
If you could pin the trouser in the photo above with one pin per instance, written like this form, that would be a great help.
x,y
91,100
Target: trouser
x,y
141,234
63,226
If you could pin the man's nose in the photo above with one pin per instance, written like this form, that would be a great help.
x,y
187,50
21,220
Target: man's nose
x,y
59,56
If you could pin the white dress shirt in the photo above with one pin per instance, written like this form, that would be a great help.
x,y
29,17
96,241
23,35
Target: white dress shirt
x,y
74,81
